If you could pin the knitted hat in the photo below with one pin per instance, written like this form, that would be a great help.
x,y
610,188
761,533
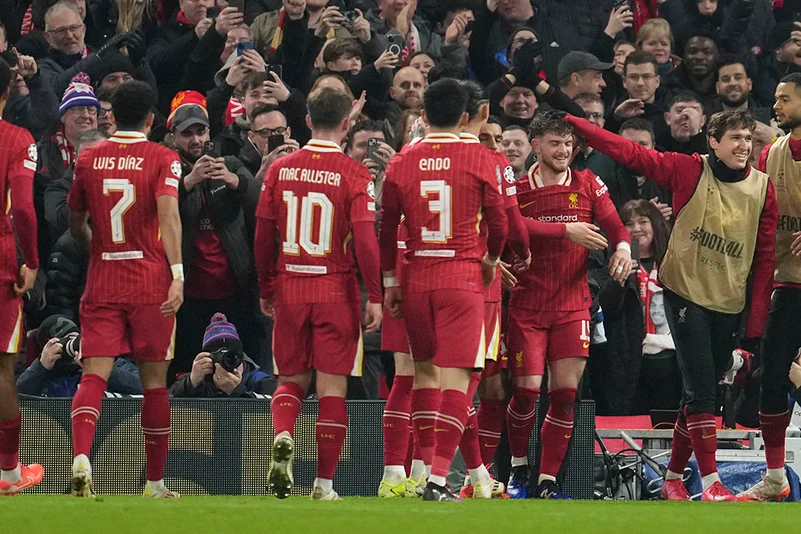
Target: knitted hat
x,y
55,326
78,93
186,109
113,61
221,332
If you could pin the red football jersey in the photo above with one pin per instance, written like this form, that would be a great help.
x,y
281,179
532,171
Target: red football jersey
x,y
118,182
503,169
17,166
314,195
441,185
557,280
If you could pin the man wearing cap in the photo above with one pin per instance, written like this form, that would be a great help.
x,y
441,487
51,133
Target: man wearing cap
x,y
78,113
217,201
581,72
209,378
117,68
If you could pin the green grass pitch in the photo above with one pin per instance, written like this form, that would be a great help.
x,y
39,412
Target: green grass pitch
x,y
196,515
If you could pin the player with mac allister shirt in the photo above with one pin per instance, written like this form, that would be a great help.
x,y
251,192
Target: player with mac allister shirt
x,y
134,288
319,203
17,165
444,187
549,318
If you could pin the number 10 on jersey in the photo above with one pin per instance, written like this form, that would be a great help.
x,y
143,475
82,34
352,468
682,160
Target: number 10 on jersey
x,y
299,232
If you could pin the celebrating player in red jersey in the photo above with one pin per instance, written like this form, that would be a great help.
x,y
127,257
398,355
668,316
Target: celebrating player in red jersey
x,y
444,187
17,164
549,308
317,201
129,188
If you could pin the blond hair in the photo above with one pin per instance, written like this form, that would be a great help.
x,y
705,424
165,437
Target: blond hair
x,y
653,27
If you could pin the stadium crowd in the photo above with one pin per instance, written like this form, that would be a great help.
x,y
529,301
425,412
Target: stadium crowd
x,y
232,81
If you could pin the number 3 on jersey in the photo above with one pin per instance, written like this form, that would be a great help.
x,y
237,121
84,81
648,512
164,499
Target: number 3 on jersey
x,y
124,186
308,205
440,206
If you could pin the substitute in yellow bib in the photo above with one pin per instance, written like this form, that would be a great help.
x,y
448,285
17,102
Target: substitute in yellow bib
x,y
782,338
720,256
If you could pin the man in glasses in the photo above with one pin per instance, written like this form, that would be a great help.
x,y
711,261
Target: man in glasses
x,y
644,97
269,138
217,199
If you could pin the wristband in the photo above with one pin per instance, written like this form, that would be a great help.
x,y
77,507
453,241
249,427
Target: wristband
x,y
623,246
390,281
491,262
177,271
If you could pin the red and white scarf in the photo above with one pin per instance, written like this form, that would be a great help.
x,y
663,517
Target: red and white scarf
x,y
648,284
64,146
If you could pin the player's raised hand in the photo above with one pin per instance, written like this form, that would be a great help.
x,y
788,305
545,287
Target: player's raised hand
x,y
266,305
27,277
393,300
373,315
586,235
620,265
175,297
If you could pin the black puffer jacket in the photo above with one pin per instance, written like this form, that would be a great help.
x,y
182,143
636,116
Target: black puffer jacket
x,y
66,270
232,212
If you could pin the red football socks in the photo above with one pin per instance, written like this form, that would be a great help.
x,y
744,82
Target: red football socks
x,y
449,428
774,428
396,421
332,426
703,435
490,425
682,447
425,404
557,430
468,445
9,443
285,407
85,413
156,428
520,420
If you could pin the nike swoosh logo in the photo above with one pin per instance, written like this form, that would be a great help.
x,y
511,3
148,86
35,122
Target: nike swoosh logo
x,y
709,436
426,427
586,345
440,430
527,204
567,436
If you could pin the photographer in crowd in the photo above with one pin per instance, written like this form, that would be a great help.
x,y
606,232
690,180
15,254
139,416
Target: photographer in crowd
x,y
57,371
223,369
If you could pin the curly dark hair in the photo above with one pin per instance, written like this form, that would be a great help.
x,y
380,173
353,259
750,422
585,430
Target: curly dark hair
x,y
552,122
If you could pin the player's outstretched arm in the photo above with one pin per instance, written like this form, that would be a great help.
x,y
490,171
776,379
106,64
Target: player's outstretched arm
x,y
170,224
669,169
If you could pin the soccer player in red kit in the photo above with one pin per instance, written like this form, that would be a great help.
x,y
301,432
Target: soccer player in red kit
x,y
17,165
549,320
134,288
319,203
444,187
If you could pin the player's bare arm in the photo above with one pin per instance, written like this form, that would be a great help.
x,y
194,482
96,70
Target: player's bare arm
x,y
170,224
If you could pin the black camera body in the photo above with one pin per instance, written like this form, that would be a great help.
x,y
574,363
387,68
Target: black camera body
x,y
70,345
227,358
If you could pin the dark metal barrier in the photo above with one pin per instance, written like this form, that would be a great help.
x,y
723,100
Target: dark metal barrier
x,y
222,447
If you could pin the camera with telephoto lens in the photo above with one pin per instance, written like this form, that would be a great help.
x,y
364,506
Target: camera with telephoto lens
x,y
70,345
227,357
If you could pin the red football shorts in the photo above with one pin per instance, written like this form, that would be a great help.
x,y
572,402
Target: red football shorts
x,y
446,326
324,336
393,334
537,337
11,329
138,330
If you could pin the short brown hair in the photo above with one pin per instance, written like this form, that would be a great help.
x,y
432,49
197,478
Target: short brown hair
x,y
255,80
722,122
341,47
328,108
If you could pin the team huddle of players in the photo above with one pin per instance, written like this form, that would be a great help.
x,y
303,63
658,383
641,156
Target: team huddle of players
x,y
451,208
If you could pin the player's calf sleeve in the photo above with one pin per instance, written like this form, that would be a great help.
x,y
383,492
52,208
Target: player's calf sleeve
x,y
449,428
520,420
490,425
682,447
425,405
331,429
85,413
703,435
557,430
774,428
468,445
156,429
285,407
9,443
396,421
